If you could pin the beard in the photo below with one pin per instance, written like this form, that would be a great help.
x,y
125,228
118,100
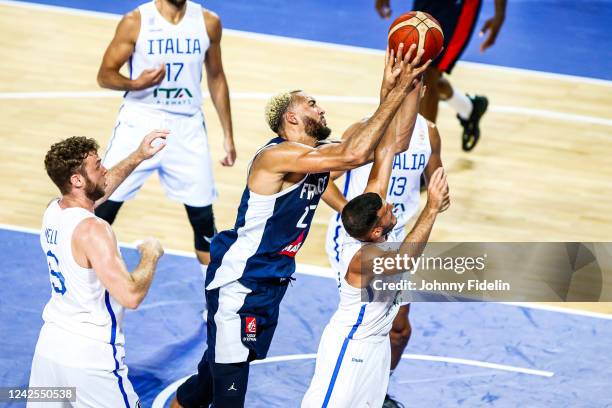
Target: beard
x,y
93,191
316,130
388,228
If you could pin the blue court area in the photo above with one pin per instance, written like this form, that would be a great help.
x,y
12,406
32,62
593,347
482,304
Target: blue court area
x,y
460,354
560,36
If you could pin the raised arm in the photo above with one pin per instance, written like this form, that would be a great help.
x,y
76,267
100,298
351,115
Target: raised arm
x,y
121,170
357,148
437,199
94,243
217,85
119,51
362,265
333,197
435,159
378,181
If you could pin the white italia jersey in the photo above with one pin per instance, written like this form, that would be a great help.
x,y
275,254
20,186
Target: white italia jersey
x,y
356,315
404,190
181,48
354,355
83,323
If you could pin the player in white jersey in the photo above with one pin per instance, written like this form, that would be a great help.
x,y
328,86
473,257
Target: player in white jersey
x,y
353,360
165,44
423,157
81,343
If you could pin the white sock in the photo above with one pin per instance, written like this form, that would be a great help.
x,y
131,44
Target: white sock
x,y
204,268
460,103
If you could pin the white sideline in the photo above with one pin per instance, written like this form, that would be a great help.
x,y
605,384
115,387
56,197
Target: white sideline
x,y
364,100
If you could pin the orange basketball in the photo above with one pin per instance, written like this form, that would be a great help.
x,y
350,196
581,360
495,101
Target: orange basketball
x,y
417,27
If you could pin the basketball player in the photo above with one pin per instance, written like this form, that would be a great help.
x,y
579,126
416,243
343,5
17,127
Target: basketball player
x,y
353,360
457,19
81,343
422,158
253,263
165,43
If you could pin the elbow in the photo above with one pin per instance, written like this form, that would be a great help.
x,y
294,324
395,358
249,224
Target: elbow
x,y
357,157
100,79
132,301
103,78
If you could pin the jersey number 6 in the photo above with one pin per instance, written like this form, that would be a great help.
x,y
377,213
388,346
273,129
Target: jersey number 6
x,y
61,289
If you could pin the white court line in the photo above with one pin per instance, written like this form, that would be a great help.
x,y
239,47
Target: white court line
x,y
328,273
311,43
167,392
264,96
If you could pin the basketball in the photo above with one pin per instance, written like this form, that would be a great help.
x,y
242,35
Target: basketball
x,y
417,27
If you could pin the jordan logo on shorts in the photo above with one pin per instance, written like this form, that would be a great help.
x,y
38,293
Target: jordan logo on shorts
x,y
232,388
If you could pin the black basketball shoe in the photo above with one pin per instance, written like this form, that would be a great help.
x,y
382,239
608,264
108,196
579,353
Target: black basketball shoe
x,y
391,403
471,126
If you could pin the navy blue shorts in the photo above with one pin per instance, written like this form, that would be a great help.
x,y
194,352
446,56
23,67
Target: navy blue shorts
x,y
242,318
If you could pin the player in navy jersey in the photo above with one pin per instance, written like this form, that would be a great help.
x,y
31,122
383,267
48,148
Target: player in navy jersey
x,y
457,19
252,264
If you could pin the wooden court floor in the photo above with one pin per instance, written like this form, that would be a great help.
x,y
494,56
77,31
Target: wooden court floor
x,y
541,172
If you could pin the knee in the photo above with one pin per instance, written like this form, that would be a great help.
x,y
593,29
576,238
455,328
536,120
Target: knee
x,y
202,222
108,210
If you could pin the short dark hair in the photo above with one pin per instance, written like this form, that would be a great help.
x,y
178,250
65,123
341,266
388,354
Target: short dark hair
x,y
66,158
360,214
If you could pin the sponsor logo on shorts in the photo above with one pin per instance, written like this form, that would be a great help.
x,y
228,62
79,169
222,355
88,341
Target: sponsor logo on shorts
x,y
250,328
356,360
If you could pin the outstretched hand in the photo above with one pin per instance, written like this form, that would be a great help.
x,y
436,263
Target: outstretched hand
x,y
148,148
438,198
408,71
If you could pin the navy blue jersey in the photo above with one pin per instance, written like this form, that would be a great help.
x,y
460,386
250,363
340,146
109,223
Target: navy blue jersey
x,y
269,231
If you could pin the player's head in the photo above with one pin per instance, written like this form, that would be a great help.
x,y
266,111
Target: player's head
x,y
296,110
73,164
368,217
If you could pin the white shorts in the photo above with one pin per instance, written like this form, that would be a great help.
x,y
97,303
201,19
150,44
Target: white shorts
x,y
184,165
94,388
349,373
95,368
